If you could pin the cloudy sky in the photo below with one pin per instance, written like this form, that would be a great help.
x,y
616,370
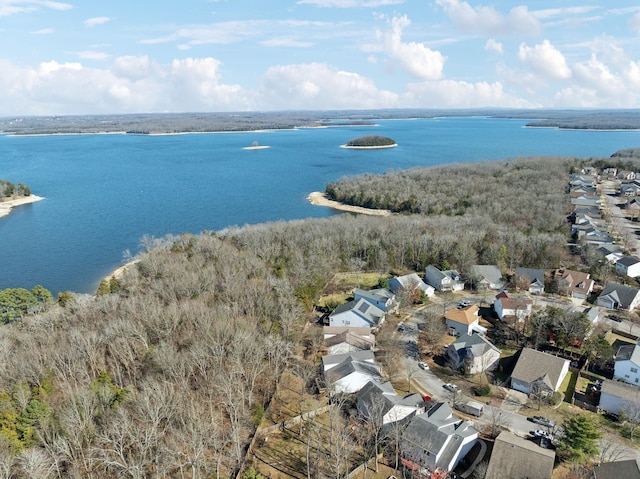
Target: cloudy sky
x,y
127,56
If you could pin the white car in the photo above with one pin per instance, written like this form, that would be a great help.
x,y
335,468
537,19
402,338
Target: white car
x,y
541,433
451,387
423,365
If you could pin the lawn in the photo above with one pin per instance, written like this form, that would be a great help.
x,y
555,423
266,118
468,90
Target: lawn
x,y
568,386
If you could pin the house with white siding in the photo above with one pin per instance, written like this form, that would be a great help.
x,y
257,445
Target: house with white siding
x,y
538,371
627,364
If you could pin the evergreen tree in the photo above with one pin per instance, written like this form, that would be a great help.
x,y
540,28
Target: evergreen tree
x,y
579,439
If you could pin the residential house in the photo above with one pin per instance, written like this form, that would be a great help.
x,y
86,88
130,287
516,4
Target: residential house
x,y
611,252
627,364
628,265
464,320
611,172
616,396
575,283
536,371
627,469
586,200
448,280
515,457
595,236
379,400
330,361
330,331
348,340
409,282
486,276
619,296
381,298
630,189
357,313
474,353
437,440
530,279
593,314
351,376
510,308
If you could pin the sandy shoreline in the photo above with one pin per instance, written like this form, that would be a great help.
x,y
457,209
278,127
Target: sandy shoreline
x,y
379,147
118,273
318,198
7,206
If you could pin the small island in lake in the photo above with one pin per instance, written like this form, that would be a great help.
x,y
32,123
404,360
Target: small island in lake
x,y
256,146
370,142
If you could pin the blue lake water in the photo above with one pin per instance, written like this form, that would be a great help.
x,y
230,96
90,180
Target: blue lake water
x,y
104,192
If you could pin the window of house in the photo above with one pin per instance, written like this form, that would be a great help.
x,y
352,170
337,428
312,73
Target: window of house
x,y
634,370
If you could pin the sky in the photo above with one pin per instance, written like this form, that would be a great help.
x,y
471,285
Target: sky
x,y
132,56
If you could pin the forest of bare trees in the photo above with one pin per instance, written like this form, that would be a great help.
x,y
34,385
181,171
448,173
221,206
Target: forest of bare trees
x,y
168,373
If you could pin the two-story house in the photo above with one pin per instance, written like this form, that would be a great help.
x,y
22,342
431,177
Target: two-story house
x,y
448,280
627,364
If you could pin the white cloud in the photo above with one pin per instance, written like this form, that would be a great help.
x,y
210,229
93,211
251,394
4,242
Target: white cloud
x,y
544,59
564,12
92,22
488,21
597,75
350,3
493,46
319,86
634,24
92,55
286,42
14,7
460,94
415,58
44,31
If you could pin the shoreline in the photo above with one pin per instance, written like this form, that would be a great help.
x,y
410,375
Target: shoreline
x,y
380,147
7,206
318,198
118,273
256,147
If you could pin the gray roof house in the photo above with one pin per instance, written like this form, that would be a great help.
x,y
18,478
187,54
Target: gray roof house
x,y
357,313
381,298
332,360
540,371
348,341
448,280
437,439
409,282
351,376
616,395
486,276
629,469
377,398
514,457
533,278
473,352
619,296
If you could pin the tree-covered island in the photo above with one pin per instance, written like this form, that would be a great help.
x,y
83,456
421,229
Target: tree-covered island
x,y
371,142
14,195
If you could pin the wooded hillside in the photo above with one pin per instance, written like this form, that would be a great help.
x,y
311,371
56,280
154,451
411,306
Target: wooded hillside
x,y
168,371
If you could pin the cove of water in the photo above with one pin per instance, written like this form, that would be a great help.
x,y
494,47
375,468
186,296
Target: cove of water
x,y
105,192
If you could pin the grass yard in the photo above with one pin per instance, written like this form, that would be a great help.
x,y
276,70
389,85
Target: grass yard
x,y
568,386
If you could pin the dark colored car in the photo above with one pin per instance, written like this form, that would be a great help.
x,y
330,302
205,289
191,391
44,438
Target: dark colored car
x,y
543,421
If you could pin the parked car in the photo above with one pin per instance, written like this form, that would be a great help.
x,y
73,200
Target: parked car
x,y
423,365
615,317
464,304
543,421
541,433
451,387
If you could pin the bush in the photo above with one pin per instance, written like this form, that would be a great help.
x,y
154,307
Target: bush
x,y
483,390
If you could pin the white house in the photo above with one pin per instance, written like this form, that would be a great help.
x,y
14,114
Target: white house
x,y
530,279
627,364
538,371
342,340
351,376
378,399
473,352
448,280
619,296
330,361
509,308
381,298
357,313
437,440
628,265
575,284
409,282
486,276
463,320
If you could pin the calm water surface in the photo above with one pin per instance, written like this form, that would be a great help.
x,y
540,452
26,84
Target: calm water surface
x,y
104,192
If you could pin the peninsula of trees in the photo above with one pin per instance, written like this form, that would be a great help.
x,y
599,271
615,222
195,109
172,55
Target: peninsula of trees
x,y
9,190
371,141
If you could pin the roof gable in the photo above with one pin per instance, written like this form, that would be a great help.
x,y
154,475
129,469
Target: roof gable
x,y
535,366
